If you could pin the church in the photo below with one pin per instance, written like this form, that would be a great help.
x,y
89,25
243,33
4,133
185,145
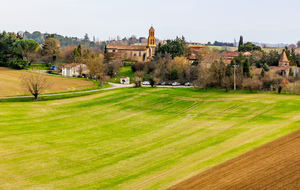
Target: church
x,y
139,53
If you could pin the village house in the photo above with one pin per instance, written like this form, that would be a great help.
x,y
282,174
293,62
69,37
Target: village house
x,y
195,50
74,70
140,53
229,55
284,66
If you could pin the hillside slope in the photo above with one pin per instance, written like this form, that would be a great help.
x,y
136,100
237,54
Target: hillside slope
x,y
10,83
272,166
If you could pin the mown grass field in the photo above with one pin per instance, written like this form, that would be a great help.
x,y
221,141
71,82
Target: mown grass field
x,y
134,138
10,83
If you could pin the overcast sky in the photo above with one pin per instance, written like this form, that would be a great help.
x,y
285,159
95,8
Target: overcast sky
x,y
267,21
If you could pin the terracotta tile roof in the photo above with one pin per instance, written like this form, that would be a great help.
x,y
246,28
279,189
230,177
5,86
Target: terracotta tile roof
x,y
71,65
247,53
282,67
284,58
127,47
229,54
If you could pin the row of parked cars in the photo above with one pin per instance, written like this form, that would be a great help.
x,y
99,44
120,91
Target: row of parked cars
x,y
168,83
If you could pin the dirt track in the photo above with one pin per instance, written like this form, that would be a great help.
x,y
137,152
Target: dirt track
x,y
275,165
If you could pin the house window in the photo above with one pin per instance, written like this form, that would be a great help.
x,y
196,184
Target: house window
x,y
114,50
140,54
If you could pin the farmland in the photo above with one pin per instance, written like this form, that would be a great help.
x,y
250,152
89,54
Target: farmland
x,y
271,166
10,83
135,138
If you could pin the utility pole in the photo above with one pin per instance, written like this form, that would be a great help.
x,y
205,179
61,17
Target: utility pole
x,y
234,76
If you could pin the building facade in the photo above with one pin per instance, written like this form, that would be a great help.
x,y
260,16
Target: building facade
x,y
139,53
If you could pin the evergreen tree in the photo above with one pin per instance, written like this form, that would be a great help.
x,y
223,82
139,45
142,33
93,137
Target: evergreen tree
x,y
241,42
105,49
291,72
262,74
246,68
266,67
86,37
79,50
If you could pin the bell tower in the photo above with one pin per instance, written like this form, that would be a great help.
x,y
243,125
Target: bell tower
x,y
151,41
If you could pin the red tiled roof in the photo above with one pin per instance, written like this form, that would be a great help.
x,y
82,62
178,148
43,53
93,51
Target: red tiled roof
x,y
71,65
229,54
281,67
127,47
284,58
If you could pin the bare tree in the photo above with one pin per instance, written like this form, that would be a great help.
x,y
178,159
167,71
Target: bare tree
x,y
292,46
97,69
34,83
81,69
298,44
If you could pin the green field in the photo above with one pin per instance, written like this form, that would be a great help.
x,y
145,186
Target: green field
x,y
134,138
124,72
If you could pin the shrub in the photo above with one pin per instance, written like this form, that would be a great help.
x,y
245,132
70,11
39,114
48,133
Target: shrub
x,y
252,84
18,64
152,82
271,81
279,89
137,82
266,67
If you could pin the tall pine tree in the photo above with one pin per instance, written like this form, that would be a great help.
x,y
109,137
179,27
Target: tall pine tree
x,y
246,68
241,42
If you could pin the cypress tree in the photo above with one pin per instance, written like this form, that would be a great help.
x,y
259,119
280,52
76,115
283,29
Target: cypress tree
x,y
246,68
79,50
266,67
291,72
241,42
262,74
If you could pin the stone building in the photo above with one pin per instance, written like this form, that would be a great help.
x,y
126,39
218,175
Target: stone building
x,y
284,66
140,53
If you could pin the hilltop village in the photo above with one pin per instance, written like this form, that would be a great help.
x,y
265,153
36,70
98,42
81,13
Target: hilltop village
x,y
151,61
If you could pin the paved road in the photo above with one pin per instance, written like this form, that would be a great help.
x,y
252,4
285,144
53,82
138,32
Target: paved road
x,y
113,86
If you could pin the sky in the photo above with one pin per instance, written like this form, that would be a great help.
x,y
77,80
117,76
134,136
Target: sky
x,y
264,21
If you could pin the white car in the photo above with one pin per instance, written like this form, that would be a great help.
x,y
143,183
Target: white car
x,y
175,84
187,84
146,83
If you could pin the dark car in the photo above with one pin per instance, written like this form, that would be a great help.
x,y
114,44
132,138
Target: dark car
x,y
158,83
53,67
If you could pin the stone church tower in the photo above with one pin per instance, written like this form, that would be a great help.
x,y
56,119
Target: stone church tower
x,y
151,42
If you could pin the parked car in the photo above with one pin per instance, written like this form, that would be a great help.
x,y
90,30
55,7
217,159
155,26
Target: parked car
x,y
146,83
163,83
158,83
187,84
53,67
175,84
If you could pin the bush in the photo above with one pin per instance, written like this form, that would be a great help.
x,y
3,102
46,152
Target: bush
x,y
252,84
19,64
128,63
293,88
138,66
279,89
153,82
137,82
266,67
271,81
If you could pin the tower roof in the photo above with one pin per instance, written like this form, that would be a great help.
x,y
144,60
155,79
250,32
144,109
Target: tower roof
x,y
283,57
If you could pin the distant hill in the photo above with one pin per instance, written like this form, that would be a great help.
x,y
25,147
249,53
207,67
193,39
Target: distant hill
x,y
64,40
